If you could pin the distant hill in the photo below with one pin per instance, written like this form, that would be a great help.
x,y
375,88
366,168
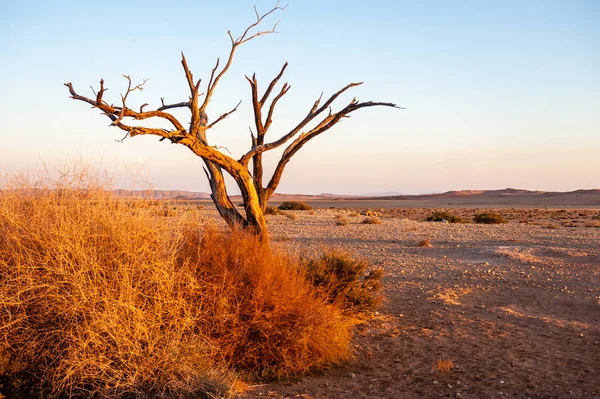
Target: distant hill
x,y
482,198
384,194
506,197
161,194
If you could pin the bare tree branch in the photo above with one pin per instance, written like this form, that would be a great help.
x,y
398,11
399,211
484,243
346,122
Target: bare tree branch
x,y
259,18
223,116
188,74
179,135
257,107
235,43
273,83
116,114
130,89
196,119
323,126
312,114
164,106
283,92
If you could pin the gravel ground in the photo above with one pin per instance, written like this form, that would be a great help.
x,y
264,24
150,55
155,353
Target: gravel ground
x,y
512,310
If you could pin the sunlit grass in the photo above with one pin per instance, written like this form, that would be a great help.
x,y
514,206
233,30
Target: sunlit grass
x,y
107,297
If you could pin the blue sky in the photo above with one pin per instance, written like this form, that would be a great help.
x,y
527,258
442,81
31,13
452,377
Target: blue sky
x,y
497,94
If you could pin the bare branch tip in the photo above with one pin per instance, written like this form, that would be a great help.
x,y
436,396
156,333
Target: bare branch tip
x,y
256,12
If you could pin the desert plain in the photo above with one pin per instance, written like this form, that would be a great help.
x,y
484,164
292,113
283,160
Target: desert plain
x,y
482,311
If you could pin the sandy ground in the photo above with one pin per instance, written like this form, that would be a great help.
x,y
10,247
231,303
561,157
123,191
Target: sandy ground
x,y
513,310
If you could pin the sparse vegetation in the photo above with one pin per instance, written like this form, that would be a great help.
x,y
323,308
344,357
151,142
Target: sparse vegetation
x,y
272,210
441,216
101,298
370,213
443,366
346,282
289,215
341,220
371,220
294,206
489,218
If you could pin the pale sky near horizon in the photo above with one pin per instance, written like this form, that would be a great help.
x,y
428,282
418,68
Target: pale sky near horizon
x,y
497,94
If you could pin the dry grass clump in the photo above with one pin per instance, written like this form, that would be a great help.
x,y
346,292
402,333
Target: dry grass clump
x,y
443,366
290,215
425,243
92,303
370,213
444,216
102,299
371,220
341,220
268,320
489,218
345,281
294,206
272,210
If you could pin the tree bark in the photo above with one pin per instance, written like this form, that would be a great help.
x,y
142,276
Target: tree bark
x,y
254,220
220,198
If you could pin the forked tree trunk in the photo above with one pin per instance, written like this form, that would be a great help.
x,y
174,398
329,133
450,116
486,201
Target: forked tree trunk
x,y
255,217
220,198
254,221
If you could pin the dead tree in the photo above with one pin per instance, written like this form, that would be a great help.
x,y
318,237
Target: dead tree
x,y
255,194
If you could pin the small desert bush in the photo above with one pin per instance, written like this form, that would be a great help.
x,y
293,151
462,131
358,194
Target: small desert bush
x,y
441,216
341,220
345,281
294,206
102,300
489,218
272,210
289,215
268,320
371,220
443,366
370,213
425,243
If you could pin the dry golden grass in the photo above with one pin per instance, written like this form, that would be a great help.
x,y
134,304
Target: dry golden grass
x,y
443,366
341,220
103,297
371,220
270,321
289,215
425,243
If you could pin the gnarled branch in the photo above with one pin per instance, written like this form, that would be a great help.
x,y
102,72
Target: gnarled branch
x,y
326,124
235,43
116,114
224,115
312,114
183,104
